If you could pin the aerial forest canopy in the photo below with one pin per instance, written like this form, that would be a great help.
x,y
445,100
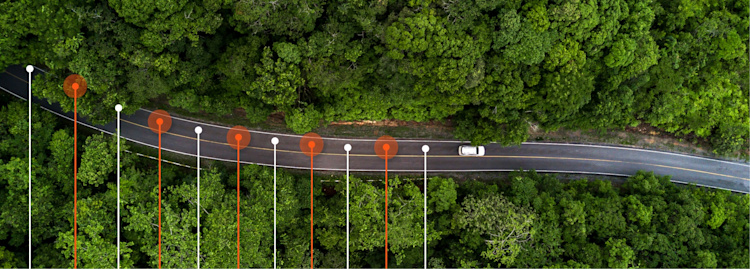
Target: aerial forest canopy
x,y
494,67
525,220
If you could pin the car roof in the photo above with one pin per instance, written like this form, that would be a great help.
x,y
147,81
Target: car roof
x,y
468,149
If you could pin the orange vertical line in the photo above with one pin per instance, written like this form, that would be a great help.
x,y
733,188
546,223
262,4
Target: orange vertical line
x,y
386,209
311,207
238,204
159,195
75,178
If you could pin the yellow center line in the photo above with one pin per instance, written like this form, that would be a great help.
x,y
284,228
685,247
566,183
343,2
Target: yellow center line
x,y
447,156
696,171
24,81
454,156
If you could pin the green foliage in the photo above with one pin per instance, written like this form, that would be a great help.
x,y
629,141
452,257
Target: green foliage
x,y
621,54
98,160
524,220
503,225
483,131
496,67
442,194
637,212
705,259
287,17
168,22
8,259
277,81
303,120
620,255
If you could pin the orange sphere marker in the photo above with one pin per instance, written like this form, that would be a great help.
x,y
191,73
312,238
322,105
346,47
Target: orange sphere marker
x,y
385,144
74,87
238,138
386,147
311,141
311,145
159,122
243,138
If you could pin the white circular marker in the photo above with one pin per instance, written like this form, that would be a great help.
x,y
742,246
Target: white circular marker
x,y
29,68
425,148
275,140
348,147
198,130
118,107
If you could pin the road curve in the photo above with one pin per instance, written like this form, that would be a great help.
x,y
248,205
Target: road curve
x,y
442,157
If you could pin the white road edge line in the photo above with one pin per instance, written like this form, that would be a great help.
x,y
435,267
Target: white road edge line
x,y
407,171
457,141
462,141
483,170
633,149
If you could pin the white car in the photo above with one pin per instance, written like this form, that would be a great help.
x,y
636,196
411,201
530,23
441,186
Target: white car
x,y
469,150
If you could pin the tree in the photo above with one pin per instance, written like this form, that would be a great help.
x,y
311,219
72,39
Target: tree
x,y
504,226
705,259
98,160
278,81
442,70
169,22
495,67
367,207
620,254
302,120
291,18
637,212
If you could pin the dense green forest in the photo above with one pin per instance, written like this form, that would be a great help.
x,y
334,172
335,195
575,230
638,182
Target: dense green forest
x,y
495,67
524,219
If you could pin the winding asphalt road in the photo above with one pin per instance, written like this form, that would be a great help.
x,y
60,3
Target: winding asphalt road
x,y
442,157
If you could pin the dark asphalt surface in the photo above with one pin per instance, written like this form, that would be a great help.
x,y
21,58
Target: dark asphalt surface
x,y
442,157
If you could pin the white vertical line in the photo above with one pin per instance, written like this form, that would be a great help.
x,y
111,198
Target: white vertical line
x,y
198,131
425,149
347,148
198,166
425,210
118,108
274,206
347,210
274,141
29,69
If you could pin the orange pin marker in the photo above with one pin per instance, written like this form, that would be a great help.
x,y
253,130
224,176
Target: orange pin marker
x,y
386,147
311,145
74,87
159,122
238,138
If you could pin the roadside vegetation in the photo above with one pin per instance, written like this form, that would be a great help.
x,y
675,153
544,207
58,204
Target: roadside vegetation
x,y
522,220
495,67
